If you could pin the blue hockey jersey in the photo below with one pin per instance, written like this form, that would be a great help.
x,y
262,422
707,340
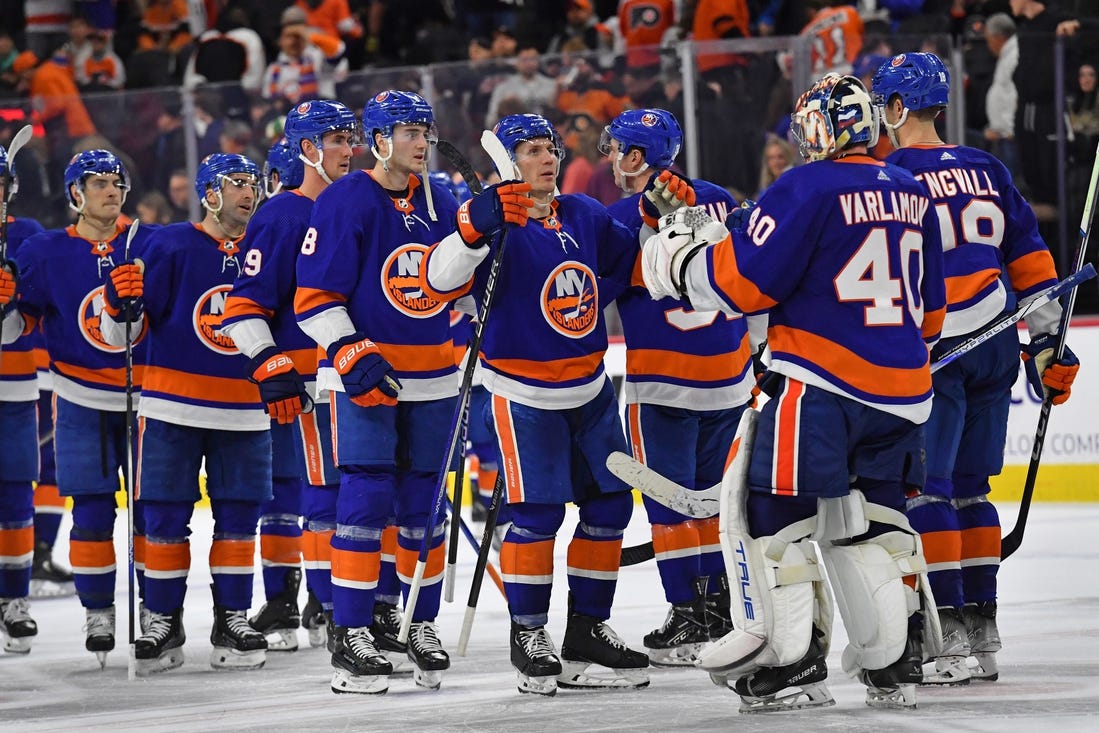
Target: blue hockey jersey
x,y
17,360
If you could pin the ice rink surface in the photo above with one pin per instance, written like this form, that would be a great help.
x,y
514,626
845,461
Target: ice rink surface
x,y
1049,667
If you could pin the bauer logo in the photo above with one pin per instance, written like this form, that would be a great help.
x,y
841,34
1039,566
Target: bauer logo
x,y
401,283
90,318
570,302
208,314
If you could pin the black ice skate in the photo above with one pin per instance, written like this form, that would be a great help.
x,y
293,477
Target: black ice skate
x,y
427,654
678,641
314,621
949,669
589,641
984,639
718,614
790,687
236,644
160,646
99,630
279,618
385,630
535,660
17,625
48,579
895,686
359,666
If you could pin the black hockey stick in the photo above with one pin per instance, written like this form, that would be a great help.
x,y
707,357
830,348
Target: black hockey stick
x,y
637,554
456,159
468,534
129,468
482,563
1011,541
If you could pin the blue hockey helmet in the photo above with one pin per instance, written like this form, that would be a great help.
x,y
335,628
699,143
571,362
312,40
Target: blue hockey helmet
x,y
514,129
921,79
284,160
215,167
656,132
458,188
833,115
389,108
94,163
313,120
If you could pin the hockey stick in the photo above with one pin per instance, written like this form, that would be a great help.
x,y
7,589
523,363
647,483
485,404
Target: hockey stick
x,y
1011,541
697,504
460,410
468,534
17,142
131,669
456,159
1043,298
482,564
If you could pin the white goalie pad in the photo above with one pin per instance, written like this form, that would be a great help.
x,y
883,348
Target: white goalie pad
x,y
775,582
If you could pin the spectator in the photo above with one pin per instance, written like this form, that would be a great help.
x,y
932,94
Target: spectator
x,y
231,52
643,24
582,143
179,194
837,34
236,139
483,16
164,26
332,17
715,20
535,91
47,26
153,208
9,80
99,69
779,156
78,47
504,43
169,148
582,91
57,105
1002,98
309,64
582,31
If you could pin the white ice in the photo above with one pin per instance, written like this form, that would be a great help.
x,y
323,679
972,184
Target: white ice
x,y
1049,667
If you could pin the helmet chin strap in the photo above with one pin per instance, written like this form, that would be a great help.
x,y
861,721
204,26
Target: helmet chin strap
x,y
383,160
319,165
616,163
891,130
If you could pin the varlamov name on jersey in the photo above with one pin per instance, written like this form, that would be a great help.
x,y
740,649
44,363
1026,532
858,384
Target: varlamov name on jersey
x,y
947,183
869,206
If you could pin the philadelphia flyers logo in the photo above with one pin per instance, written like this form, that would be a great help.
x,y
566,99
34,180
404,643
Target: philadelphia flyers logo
x,y
570,300
401,282
207,316
89,319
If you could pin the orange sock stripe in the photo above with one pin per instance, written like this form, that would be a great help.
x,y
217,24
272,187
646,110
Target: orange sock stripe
x,y
594,558
943,550
17,546
139,551
980,546
91,557
527,563
164,560
280,551
352,569
47,497
433,570
234,557
709,537
678,540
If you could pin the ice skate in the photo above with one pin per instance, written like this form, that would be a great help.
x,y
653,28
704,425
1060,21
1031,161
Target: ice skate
x,y
236,644
678,641
427,654
48,579
949,669
17,625
718,616
160,646
385,629
895,686
984,639
790,687
314,621
144,616
279,618
535,660
589,641
99,630
359,667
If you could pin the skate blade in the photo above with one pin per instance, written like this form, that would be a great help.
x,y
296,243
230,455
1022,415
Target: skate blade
x,y
544,686
101,657
945,672
902,698
223,658
792,698
429,679
984,668
581,676
401,665
343,682
170,659
43,589
684,655
282,640
17,644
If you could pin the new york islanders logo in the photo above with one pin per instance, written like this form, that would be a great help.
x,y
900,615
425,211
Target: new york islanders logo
x,y
382,96
401,282
570,300
90,317
304,107
648,119
207,316
897,60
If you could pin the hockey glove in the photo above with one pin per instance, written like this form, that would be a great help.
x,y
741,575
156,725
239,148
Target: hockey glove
x,y
123,290
664,194
484,215
738,217
9,281
1050,379
280,386
367,377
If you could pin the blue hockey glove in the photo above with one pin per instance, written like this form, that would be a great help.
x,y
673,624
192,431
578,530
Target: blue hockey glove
x,y
280,385
485,214
367,377
738,217
1049,378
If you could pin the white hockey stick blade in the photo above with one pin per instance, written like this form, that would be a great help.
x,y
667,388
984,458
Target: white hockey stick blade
x,y
700,504
505,166
20,139
130,237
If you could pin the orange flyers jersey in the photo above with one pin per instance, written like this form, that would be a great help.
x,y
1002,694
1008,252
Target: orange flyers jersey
x,y
837,39
643,23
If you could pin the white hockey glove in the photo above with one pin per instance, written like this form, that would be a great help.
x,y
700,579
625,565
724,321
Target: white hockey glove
x,y
665,255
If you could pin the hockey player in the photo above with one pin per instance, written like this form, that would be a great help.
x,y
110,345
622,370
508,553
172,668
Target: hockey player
x,y
843,253
688,378
63,278
49,579
321,137
993,257
18,425
394,380
553,408
283,170
198,405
